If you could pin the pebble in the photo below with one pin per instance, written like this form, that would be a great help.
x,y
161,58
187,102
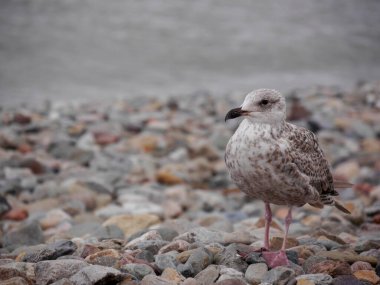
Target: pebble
x,y
172,275
367,276
23,269
141,186
347,256
278,276
10,272
231,281
177,245
28,234
156,280
276,243
107,257
199,259
230,274
53,218
15,281
96,274
131,224
164,261
255,273
138,270
52,270
360,265
317,279
346,280
331,267
229,257
203,235
49,252
209,275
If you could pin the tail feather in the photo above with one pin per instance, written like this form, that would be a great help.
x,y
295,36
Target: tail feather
x,y
340,184
341,208
318,205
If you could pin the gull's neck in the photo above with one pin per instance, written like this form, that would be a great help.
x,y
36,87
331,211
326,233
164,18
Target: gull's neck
x,y
274,129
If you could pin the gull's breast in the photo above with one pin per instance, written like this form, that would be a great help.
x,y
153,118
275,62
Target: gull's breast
x,y
253,158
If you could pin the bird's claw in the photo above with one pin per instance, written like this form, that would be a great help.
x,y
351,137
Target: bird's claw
x,y
277,258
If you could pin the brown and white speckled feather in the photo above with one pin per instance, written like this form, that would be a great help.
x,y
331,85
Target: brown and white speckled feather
x,y
275,161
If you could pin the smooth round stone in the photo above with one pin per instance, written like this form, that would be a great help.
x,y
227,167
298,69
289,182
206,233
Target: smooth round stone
x,y
138,270
278,275
167,260
255,272
317,279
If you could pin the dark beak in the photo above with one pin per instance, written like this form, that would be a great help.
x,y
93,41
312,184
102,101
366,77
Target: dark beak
x,y
234,113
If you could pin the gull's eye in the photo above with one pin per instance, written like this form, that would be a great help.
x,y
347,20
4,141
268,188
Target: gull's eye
x,y
264,102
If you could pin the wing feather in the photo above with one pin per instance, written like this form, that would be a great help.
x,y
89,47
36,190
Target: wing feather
x,y
306,154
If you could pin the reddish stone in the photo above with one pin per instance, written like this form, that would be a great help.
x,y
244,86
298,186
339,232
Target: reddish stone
x,y
361,265
376,219
22,119
24,148
330,267
16,214
34,165
103,138
364,188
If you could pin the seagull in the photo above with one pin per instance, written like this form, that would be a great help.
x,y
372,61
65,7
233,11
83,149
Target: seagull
x,y
277,162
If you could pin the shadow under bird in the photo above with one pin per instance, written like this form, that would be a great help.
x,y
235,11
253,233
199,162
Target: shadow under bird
x,y
277,162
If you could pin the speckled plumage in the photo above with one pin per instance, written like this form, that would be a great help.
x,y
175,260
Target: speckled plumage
x,y
275,161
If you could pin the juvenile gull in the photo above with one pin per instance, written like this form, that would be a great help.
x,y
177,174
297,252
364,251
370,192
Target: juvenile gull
x,y
277,162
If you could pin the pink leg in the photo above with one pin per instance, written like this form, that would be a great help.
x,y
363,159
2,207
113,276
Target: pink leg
x,y
288,221
279,258
268,220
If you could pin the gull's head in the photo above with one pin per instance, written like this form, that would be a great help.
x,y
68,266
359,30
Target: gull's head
x,y
263,106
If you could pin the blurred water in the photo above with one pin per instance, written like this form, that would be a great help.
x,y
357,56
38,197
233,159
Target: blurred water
x,y
70,49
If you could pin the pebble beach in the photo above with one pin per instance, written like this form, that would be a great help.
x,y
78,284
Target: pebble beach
x,y
136,191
